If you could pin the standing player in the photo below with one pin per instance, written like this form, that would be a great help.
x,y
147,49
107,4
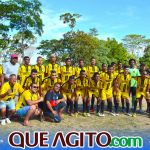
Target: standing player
x,y
81,90
107,90
40,68
67,70
52,66
94,90
134,73
143,87
24,70
90,72
80,67
68,92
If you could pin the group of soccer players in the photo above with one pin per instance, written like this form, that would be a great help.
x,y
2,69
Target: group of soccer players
x,y
114,85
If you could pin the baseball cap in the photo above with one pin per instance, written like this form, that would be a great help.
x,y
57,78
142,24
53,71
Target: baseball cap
x,y
14,56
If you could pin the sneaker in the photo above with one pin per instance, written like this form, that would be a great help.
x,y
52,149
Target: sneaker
x,y
84,114
3,122
128,114
101,115
113,114
116,114
92,110
134,115
76,114
88,114
98,114
7,120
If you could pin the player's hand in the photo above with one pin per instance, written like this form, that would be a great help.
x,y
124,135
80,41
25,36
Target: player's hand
x,y
41,99
55,113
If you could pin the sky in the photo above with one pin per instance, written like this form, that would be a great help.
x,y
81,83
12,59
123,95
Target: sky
x,y
112,18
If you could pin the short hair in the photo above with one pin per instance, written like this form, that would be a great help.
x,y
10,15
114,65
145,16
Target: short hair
x,y
33,71
95,74
103,64
72,77
67,59
26,57
57,83
39,57
125,67
53,71
93,58
113,63
82,71
132,60
81,60
33,83
12,75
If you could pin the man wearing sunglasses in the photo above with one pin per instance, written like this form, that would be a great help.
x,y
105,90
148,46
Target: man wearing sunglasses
x,y
27,105
54,104
11,67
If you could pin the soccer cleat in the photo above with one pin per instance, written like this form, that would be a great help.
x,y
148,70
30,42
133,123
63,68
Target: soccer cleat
x,y
128,114
101,115
113,114
84,114
116,114
134,115
88,114
71,114
3,122
7,120
98,114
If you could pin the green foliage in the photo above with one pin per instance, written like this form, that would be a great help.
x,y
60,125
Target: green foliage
x,y
146,57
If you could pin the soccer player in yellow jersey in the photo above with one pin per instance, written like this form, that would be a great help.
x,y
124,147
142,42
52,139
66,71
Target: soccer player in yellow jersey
x,y
80,67
27,105
68,92
7,95
24,70
33,78
143,87
40,68
124,82
81,90
107,90
52,66
94,90
48,82
67,70
90,72
103,71
119,69
1,76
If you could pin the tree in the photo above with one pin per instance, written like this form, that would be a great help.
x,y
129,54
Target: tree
x,y
146,56
70,19
93,32
25,21
134,43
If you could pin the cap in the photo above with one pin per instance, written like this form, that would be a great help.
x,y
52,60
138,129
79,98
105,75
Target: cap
x,y
14,56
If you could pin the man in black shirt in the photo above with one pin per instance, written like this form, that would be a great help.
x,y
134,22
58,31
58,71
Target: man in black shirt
x,y
54,103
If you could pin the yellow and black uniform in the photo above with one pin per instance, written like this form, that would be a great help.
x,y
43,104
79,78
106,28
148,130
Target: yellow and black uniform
x,y
17,88
78,69
48,83
23,72
124,85
66,72
81,89
1,74
94,88
142,86
29,80
91,70
107,84
68,90
40,71
117,72
51,67
26,95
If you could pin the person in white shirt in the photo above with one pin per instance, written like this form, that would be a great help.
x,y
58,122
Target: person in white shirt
x,y
11,67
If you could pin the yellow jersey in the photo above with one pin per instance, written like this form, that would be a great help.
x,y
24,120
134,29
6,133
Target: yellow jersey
x,y
23,72
17,88
142,84
107,81
117,72
81,84
68,88
124,82
91,70
93,85
51,67
78,69
29,80
48,83
40,70
1,70
25,96
66,72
